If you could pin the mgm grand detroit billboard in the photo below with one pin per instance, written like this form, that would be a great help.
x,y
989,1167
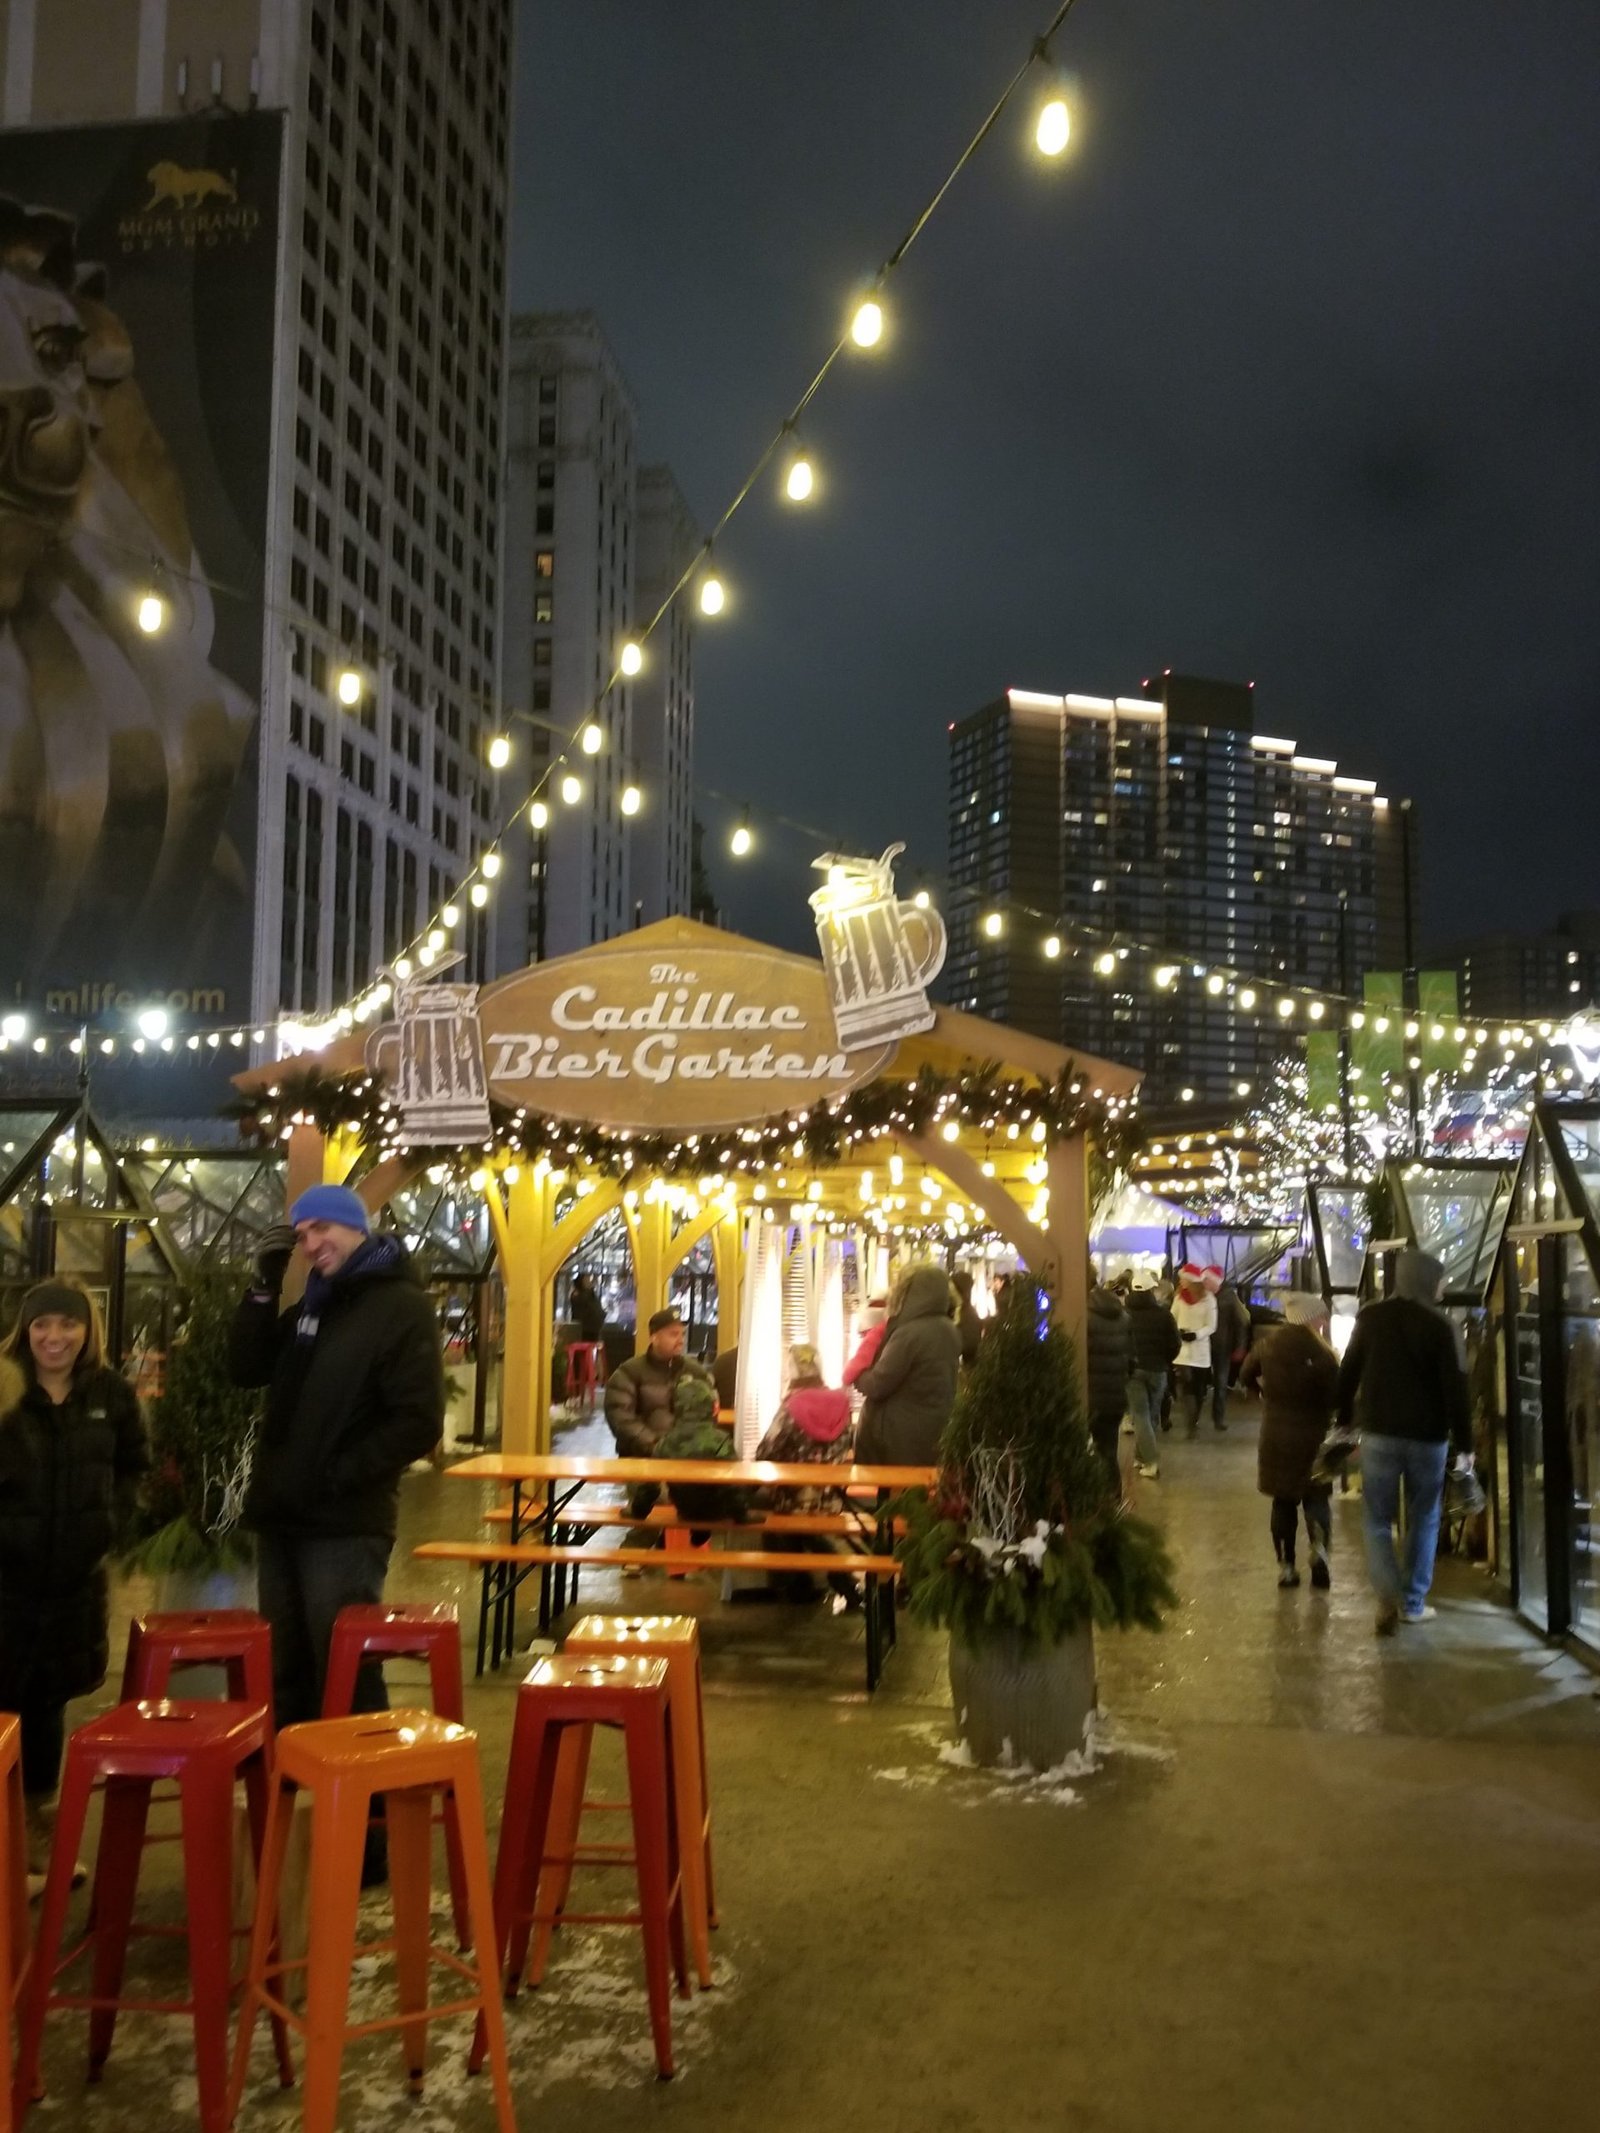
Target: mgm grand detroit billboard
x,y
137,273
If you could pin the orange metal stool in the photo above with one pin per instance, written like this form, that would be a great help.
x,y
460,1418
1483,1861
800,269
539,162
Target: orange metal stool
x,y
344,1763
676,1639
233,1637
431,1633
13,1898
206,1747
568,1697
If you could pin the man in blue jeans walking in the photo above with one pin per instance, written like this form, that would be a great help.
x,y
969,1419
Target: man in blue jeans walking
x,y
1402,1384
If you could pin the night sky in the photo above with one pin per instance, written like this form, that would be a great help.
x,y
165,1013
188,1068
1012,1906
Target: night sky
x,y
1289,372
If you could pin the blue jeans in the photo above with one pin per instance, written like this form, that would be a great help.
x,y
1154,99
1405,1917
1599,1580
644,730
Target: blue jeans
x,y
1146,1390
1385,1463
303,1581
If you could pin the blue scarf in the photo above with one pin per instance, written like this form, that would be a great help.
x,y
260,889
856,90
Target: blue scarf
x,y
376,1255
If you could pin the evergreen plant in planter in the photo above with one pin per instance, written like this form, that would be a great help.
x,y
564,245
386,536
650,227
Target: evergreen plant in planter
x,y
202,1432
1022,1547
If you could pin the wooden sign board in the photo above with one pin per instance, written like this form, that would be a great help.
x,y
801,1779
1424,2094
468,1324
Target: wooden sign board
x,y
668,1030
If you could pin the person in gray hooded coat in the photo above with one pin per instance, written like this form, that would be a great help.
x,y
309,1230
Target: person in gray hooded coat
x,y
910,1387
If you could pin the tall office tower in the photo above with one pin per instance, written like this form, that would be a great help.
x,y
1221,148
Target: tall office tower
x,y
1163,832
260,249
663,705
589,542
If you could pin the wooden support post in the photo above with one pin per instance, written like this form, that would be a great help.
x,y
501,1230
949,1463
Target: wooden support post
x,y
522,1227
1067,1168
727,1242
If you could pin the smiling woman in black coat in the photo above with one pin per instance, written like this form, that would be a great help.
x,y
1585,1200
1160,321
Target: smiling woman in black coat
x,y
72,1451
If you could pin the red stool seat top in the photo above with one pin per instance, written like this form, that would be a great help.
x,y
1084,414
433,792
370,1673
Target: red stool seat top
x,y
156,1736
374,1620
208,1633
600,1676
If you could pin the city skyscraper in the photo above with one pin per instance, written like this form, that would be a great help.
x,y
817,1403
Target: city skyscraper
x,y
324,182
593,545
1167,833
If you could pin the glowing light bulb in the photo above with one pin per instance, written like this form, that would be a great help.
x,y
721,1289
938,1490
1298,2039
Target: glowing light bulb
x,y
632,800
489,865
539,815
14,1028
741,842
922,900
631,658
151,614
154,1022
348,687
451,914
435,939
866,323
800,480
993,925
1052,946
713,594
499,752
592,739
477,896
571,789
1053,127
402,968
1247,999
1286,1008
1105,964
1166,975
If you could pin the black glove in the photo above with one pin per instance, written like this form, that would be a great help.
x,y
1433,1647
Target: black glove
x,y
1186,1336
273,1254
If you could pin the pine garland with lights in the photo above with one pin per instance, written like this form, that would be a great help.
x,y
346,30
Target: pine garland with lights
x,y
980,1099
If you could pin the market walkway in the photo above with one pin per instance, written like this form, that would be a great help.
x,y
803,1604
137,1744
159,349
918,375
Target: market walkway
x,y
1321,1880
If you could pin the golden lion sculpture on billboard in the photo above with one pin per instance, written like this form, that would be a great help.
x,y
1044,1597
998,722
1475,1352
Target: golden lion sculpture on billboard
x,y
119,751
171,182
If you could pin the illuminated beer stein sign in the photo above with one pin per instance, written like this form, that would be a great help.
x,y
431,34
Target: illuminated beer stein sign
x,y
878,955
432,1060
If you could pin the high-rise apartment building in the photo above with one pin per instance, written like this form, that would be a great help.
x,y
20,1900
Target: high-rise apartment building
x,y
1515,976
1165,832
590,543
297,211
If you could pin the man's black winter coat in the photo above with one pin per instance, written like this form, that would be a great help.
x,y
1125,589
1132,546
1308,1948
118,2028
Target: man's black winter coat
x,y
348,1411
1400,1376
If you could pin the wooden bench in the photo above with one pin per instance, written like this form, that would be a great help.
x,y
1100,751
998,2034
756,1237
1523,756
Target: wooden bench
x,y
504,1563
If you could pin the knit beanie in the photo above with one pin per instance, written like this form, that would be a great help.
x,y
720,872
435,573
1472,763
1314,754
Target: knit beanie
x,y
54,1299
331,1203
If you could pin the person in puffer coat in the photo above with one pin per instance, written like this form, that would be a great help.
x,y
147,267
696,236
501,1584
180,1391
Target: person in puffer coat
x,y
910,1387
1298,1374
811,1427
73,1451
1109,1359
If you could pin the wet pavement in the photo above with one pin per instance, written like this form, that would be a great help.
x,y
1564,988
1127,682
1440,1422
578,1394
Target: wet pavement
x,y
1315,1875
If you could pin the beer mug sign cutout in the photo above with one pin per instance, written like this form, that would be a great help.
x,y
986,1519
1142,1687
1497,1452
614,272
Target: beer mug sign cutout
x,y
878,955
432,1061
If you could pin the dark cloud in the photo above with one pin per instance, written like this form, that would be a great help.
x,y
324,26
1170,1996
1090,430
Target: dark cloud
x,y
1289,376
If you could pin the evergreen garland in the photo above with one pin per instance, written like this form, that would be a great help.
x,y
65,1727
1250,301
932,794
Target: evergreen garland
x,y
202,1433
1071,1554
981,1099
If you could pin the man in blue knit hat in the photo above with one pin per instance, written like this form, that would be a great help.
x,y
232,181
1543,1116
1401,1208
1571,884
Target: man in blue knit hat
x,y
356,1392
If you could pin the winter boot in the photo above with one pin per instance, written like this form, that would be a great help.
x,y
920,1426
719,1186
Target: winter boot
x,y
1321,1576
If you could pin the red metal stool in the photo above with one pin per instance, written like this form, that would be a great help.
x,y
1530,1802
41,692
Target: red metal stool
x,y
407,1756
676,1639
586,1371
206,1747
568,1697
13,1898
229,1636
431,1633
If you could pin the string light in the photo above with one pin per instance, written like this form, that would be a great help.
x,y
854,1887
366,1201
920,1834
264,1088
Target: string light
x,y
866,323
539,815
993,925
593,738
499,751
347,687
713,594
631,658
632,800
151,614
489,865
742,842
571,789
1052,946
